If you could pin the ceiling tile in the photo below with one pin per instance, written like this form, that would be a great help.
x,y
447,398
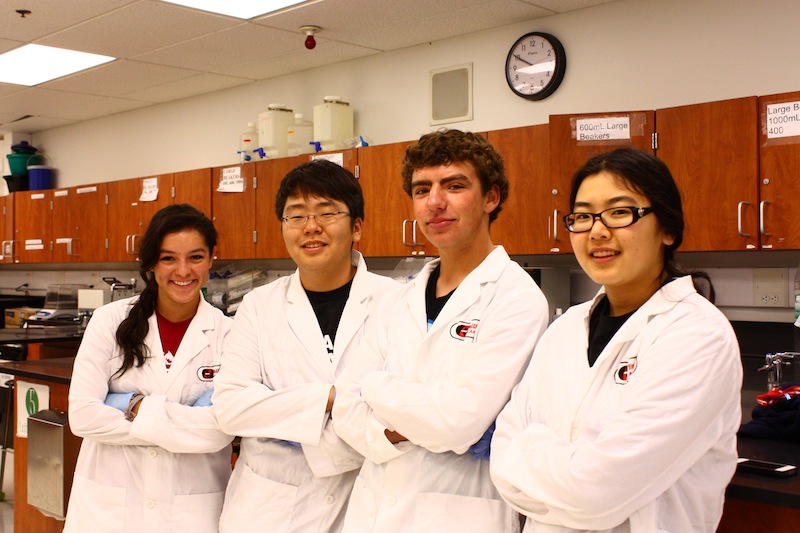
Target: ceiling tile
x,y
174,90
118,78
49,16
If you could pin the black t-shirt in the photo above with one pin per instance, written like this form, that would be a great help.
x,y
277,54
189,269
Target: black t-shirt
x,y
434,305
602,327
329,306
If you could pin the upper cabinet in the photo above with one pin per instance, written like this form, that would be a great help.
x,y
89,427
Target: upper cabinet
x,y
33,226
712,151
576,138
390,229
193,187
131,205
79,224
269,173
233,209
779,158
7,245
525,223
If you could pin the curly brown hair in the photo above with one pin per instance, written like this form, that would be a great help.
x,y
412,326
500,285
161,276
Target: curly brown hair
x,y
452,146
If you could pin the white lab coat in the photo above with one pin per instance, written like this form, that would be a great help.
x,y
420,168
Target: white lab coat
x,y
167,470
441,389
273,387
643,441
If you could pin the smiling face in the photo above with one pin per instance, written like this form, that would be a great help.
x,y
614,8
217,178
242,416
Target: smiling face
x,y
628,262
451,208
322,253
184,261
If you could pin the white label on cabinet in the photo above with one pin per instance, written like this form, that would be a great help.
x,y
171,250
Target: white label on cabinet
x,y
149,190
333,158
34,246
232,180
783,120
63,240
603,129
33,241
84,190
38,196
61,193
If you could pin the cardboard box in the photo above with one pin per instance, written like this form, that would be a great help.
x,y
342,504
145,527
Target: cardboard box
x,y
15,316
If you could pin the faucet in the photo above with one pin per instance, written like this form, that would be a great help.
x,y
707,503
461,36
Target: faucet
x,y
773,364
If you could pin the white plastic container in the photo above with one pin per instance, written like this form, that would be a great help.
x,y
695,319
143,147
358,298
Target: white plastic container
x,y
272,126
333,123
299,136
248,142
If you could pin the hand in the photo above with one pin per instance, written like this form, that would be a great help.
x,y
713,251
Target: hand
x,y
205,399
118,400
481,449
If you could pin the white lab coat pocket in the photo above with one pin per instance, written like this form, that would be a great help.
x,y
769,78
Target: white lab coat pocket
x,y
95,507
445,513
254,502
202,511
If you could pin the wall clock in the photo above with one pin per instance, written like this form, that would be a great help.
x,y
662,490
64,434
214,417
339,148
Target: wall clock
x,y
535,65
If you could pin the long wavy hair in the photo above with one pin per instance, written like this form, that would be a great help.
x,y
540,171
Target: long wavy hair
x,y
133,330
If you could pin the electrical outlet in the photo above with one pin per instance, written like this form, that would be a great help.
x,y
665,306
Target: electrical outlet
x,y
770,287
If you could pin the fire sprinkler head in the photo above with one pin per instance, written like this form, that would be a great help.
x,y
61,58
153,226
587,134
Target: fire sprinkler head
x,y
310,31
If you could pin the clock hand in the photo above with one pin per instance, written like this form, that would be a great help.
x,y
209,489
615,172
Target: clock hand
x,y
520,59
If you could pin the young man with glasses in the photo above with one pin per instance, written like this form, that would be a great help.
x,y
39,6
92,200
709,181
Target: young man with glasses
x,y
446,351
289,341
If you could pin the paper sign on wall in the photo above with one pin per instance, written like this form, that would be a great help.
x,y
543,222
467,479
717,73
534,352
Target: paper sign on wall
x,y
149,190
232,180
603,129
30,399
783,120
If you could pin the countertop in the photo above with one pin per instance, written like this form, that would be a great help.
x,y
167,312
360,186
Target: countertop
x,y
54,370
40,334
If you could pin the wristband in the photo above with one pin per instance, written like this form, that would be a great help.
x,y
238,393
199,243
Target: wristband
x,y
129,414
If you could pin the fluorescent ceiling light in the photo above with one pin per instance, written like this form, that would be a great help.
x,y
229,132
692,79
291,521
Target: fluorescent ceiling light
x,y
33,64
243,9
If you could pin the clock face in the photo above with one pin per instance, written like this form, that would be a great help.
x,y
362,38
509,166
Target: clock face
x,y
535,66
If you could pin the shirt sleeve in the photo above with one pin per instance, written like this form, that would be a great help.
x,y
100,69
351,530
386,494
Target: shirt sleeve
x,y
676,416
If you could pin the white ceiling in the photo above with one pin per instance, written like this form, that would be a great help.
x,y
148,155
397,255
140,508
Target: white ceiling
x,y
167,52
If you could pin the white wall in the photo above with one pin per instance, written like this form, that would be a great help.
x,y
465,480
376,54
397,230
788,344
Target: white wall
x,y
626,55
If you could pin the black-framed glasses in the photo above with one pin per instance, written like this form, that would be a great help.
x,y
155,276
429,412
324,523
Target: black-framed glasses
x,y
614,217
323,219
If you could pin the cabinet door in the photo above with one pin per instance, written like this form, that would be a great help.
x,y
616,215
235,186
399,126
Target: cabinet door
x,y
712,151
576,138
123,218
79,224
779,227
7,247
193,187
33,226
524,224
388,212
269,174
155,194
233,209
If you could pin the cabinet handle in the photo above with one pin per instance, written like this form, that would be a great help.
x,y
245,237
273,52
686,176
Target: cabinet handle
x,y
127,244
413,232
739,218
761,207
132,250
555,224
69,247
8,249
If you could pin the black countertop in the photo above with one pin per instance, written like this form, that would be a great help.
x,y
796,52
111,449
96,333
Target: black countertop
x,y
40,334
57,370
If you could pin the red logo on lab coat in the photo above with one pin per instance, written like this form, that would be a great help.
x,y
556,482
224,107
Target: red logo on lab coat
x,y
625,370
207,373
464,331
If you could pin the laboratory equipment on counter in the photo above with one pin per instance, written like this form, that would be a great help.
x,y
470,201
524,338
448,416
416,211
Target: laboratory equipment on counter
x,y
333,123
60,304
272,127
774,364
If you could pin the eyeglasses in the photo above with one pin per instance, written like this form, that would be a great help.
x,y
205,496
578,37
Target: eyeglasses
x,y
614,217
323,219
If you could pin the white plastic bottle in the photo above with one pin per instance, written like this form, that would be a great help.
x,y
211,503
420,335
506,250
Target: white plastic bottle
x,y
248,142
272,126
299,136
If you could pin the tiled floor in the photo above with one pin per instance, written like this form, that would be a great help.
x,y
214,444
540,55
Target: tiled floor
x,y
7,505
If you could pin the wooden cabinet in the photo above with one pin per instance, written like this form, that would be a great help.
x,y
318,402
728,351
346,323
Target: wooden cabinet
x,y
524,224
233,208
130,211
779,174
712,151
390,228
79,224
33,226
193,187
7,245
576,138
